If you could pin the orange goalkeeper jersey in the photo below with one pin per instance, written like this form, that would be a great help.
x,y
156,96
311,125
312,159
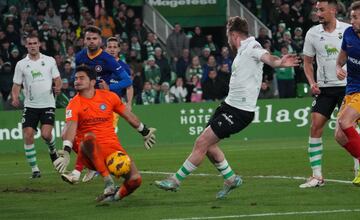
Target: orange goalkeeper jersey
x,y
95,115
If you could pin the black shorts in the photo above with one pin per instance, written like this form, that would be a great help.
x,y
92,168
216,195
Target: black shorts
x,y
327,100
228,120
32,116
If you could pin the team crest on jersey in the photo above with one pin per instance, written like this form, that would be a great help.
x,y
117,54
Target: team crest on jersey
x,y
98,68
322,38
103,107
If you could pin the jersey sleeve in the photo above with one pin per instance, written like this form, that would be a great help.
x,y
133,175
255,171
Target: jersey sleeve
x,y
72,110
18,76
309,49
54,69
119,72
344,41
257,51
118,106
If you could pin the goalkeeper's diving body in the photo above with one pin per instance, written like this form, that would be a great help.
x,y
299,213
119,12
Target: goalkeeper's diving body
x,y
89,132
236,112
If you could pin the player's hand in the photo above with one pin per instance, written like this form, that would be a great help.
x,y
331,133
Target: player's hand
x,y
290,60
340,73
315,89
150,139
103,85
15,102
62,162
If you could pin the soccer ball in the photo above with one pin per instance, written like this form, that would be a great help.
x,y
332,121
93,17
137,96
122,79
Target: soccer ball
x,y
118,164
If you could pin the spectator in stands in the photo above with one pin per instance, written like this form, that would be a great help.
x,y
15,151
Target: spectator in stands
x,y
148,94
139,31
152,72
297,12
6,77
205,54
298,39
183,63
285,78
194,89
266,91
197,42
209,65
225,57
263,36
178,92
135,45
124,50
176,43
67,90
67,71
286,17
194,69
163,63
164,93
224,75
122,24
138,85
106,24
214,49
213,87
148,47
53,19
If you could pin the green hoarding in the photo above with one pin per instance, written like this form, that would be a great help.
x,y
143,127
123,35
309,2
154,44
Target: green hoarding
x,y
134,2
182,123
189,13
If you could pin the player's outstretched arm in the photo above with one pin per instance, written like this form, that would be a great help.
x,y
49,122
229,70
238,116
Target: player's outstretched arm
x,y
340,62
68,137
147,133
289,60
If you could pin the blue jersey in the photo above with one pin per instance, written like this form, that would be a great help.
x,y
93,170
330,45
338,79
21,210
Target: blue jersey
x,y
115,79
106,68
351,45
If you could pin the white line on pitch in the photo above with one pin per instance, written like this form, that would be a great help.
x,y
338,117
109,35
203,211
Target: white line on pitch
x,y
205,174
268,214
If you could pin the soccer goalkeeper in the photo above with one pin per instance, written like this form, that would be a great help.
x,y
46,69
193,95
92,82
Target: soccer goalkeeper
x,y
89,132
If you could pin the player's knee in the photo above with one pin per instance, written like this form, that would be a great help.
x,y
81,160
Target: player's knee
x,y
46,136
134,181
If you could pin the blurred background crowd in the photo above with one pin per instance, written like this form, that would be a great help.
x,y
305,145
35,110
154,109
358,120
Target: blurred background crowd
x,y
192,66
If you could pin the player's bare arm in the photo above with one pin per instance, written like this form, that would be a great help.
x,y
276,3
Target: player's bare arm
x,y
309,73
129,96
57,85
15,91
340,62
289,60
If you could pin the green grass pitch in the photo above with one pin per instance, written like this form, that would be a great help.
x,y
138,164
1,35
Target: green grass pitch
x,y
263,195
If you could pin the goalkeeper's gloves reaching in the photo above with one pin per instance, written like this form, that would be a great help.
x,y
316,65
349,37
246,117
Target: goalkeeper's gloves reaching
x,y
149,136
62,162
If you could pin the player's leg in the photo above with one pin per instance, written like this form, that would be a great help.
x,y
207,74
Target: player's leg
x,y
231,180
95,160
321,111
132,182
202,143
30,120
47,120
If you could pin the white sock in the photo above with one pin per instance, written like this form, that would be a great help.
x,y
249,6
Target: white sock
x,y
184,171
225,170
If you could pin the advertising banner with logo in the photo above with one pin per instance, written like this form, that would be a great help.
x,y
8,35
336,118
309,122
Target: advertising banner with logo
x,y
189,13
182,123
134,2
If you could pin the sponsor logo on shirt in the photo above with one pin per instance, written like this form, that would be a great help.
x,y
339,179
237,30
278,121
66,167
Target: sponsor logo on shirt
x,y
354,60
331,50
36,74
68,114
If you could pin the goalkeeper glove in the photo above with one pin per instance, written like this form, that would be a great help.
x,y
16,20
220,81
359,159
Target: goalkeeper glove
x,y
63,161
149,137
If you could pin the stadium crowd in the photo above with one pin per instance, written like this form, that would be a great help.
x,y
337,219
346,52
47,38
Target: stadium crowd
x,y
191,67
